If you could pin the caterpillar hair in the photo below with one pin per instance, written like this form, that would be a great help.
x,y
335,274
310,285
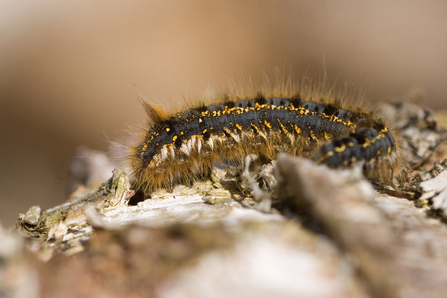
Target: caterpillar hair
x,y
178,147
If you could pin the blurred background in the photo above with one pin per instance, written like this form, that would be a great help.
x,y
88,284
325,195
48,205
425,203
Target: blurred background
x,y
68,69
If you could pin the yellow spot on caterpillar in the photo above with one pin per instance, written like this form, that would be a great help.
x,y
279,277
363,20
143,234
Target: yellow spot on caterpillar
x,y
255,127
312,135
284,129
267,124
340,149
182,133
204,131
297,129
238,126
326,136
334,119
351,144
168,129
367,143
200,120
379,152
323,158
174,138
388,149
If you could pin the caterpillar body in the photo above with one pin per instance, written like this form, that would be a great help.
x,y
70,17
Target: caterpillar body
x,y
180,146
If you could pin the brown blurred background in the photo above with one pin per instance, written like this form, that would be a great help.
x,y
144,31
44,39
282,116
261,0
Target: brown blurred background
x,y
68,68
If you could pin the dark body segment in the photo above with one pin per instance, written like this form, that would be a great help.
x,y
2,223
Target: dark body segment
x,y
183,144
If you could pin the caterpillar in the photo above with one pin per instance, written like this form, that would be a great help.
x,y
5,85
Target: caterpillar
x,y
180,146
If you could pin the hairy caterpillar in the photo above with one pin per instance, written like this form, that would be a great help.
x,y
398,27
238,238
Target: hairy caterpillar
x,y
180,146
